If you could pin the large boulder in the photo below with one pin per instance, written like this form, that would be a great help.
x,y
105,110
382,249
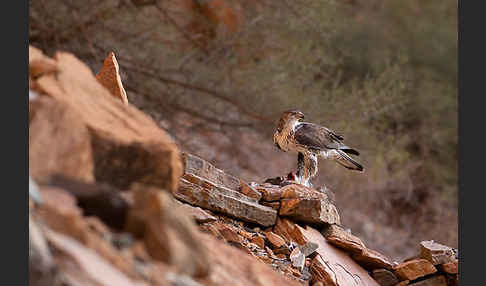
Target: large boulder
x,y
127,144
59,142
333,266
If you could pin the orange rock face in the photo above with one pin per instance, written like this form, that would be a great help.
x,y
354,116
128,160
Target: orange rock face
x,y
450,267
414,269
275,239
59,142
340,238
258,240
313,211
109,77
372,259
332,266
124,139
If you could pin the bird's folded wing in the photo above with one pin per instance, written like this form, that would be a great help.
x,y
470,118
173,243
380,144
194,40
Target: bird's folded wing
x,y
317,137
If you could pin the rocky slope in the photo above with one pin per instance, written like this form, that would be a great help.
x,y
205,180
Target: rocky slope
x,y
114,202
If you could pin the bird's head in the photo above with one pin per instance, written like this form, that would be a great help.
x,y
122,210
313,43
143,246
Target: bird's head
x,y
289,118
292,115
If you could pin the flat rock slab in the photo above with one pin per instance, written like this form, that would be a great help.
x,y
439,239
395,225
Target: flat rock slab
x,y
414,269
272,193
289,231
203,169
342,239
249,191
275,239
314,211
372,259
436,253
433,281
269,193
199,168
332,266
224,201
294,191
205,183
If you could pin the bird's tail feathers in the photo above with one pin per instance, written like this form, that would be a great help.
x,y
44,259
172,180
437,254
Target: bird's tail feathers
x,y
349,150
346,161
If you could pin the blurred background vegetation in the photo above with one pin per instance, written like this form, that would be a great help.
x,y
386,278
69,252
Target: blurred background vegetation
x,y
216,74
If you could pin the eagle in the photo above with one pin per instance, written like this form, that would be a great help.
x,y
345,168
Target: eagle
x,y
312,141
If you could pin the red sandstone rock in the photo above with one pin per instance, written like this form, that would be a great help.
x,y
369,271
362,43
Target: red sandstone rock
x,y
258,240
284,228
92,268
224,201
275,239
231,266
249,191
332,266
245,234
436,253
296,191
195,166
198,214
273,205
290,231
270,193
432,281
450,267
414,269
60,213
337,236
314,211
39,64
59,142
124,139
169,234
109,77
372,259
229,233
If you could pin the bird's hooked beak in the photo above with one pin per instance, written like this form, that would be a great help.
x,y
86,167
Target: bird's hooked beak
x,y
300,116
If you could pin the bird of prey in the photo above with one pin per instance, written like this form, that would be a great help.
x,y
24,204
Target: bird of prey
x,y
311,141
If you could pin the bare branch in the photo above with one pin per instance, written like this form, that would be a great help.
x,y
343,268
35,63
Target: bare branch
x,y
154,73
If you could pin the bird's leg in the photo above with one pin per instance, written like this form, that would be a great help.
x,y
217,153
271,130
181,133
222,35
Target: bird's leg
x,y
300,168
311,168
